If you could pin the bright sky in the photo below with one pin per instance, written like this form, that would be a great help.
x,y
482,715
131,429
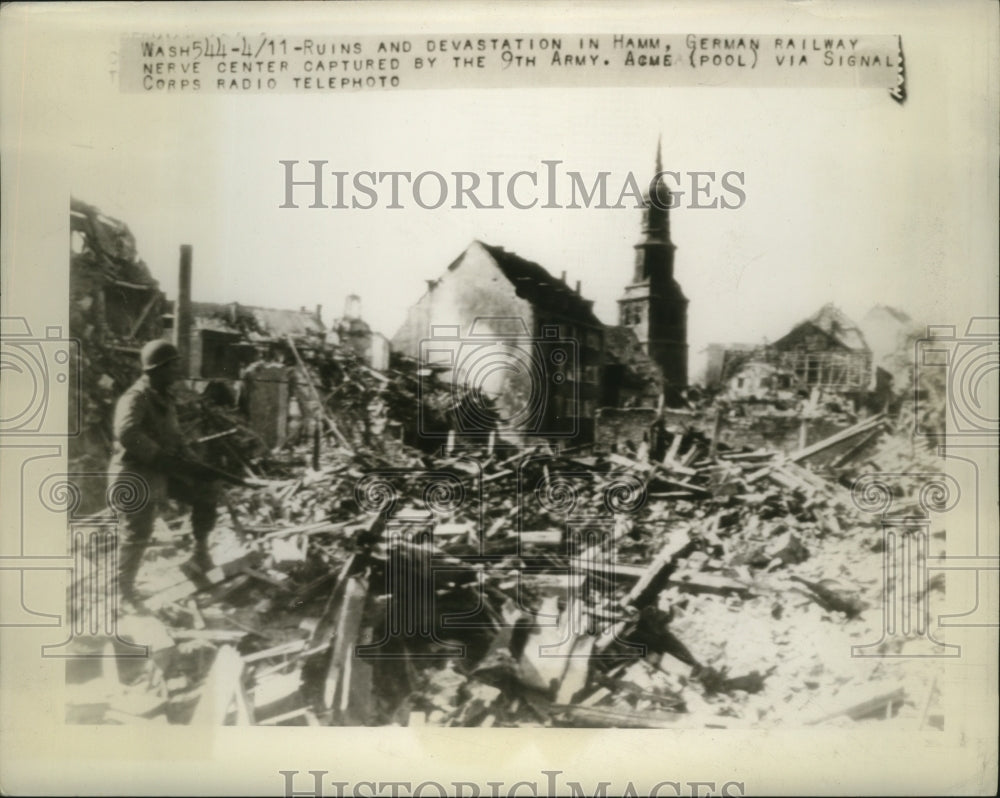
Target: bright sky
x,y
851,197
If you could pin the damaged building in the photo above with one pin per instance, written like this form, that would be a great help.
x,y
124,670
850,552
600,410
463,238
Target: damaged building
x,y
825,355
501,325
225,337
353,332
827,351
110,286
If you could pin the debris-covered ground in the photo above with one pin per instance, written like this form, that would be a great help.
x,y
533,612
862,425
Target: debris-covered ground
x,y
362,581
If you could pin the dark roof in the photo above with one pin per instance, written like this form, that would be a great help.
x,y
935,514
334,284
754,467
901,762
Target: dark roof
x,y
541,289
280,323
831,320
267,322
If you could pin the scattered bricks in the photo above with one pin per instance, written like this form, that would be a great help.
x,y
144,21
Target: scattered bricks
x,y
521,610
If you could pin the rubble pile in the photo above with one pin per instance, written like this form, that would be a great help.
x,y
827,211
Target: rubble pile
x,y
500,586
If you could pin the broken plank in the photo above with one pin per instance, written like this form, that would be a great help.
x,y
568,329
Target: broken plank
x,y
651,581
268,580
197,619
677,468
327,625
542,537
698,582
856,449
497,475
601,717
218,635
326,525
291,647
277,720
577,669
865,708
345,637
675,446
697,490
226,589
691,455
628,462
176,592
220,689
838,437
615,569
595,697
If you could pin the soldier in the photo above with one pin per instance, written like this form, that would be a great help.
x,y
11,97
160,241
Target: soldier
x,y
148,444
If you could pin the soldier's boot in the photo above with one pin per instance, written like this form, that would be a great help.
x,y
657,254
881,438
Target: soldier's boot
x,y
202,558
203,514
130,560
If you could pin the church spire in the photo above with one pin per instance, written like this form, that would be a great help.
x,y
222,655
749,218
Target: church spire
x,y
658,200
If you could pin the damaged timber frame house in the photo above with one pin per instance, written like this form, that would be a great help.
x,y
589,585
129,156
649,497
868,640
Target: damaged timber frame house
x,y
825,355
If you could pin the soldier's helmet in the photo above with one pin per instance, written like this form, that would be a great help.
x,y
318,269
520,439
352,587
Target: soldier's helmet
x,y
157,353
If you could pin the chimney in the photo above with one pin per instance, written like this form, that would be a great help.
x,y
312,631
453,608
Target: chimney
x,y
352,307
182,313
319,312
577,286
563,278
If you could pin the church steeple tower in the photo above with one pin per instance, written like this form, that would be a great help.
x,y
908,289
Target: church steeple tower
x,y
654,305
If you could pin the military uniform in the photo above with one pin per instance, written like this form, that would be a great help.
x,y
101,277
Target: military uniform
x,y
146,434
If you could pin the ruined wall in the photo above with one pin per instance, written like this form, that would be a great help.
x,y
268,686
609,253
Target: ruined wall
x,y
477,298
621,428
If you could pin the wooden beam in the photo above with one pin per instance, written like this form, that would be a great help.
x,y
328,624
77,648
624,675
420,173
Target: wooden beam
x,y
843,435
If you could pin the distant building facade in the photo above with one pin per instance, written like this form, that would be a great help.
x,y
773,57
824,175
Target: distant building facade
x,y
352,332
225,337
